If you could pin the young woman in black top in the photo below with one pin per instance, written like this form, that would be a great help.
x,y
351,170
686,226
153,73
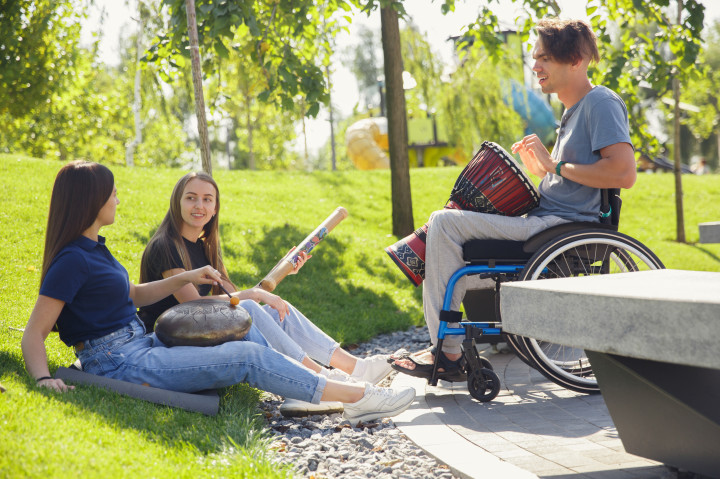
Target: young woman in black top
x,y
188,237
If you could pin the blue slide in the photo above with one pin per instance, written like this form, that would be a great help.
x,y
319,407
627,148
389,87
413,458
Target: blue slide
x,y
535,111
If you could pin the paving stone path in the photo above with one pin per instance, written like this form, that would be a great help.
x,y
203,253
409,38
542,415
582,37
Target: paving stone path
x,y
533,429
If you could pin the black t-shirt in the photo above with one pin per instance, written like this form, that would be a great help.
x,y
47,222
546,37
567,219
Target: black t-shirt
x,y
158,263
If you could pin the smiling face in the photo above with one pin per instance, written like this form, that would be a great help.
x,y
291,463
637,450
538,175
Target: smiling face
x,y
198,205
550,73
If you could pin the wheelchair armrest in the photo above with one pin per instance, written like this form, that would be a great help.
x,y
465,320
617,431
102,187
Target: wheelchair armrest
x,y
535,242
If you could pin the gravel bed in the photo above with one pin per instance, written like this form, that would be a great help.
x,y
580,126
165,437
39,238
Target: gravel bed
x,y
329,446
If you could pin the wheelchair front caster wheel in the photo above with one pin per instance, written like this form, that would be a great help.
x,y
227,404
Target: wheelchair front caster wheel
x,y
483,385
486,364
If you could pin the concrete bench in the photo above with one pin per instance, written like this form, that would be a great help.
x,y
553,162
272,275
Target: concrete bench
x,y
652,338
710,232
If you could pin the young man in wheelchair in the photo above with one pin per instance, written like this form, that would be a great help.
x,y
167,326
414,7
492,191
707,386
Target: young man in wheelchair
x,y
592,152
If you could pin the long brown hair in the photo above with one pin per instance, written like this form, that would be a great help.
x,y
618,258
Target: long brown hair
x,y
168,238
81,189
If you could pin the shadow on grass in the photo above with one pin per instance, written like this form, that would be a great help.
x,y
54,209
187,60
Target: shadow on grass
x,y
144,239
705,250
344,310
238,420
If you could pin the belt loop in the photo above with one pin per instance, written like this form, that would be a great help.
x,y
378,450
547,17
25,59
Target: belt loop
x,y
79,346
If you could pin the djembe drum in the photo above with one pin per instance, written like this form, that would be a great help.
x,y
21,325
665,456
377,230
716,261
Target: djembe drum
x,y
203,322
492,182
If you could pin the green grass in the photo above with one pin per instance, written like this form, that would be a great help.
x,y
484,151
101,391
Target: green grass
x,y
350,289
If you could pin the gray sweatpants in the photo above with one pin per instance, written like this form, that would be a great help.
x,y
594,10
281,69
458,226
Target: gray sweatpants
x,y
448,229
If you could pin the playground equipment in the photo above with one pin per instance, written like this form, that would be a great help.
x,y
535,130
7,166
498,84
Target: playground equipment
x,y
367,139
367,142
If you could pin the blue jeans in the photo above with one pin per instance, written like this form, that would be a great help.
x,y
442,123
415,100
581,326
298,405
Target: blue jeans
x,y
294,336
129,354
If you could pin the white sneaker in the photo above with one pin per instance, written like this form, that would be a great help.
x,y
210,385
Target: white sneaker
x,y
379,402
338,375
373,369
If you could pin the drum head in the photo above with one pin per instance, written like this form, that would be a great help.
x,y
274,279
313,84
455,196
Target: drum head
x,y
203,322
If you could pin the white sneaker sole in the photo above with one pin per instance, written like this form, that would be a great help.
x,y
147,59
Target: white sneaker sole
x,y
371,416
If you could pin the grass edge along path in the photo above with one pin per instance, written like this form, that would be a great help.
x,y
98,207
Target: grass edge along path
x,y
350,289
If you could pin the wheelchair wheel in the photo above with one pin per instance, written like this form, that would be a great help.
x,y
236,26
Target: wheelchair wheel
x,y
515,343
583,253
486,364
483,384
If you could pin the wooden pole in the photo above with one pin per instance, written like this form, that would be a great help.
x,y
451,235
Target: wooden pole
x,y
679,215
197,86
402,217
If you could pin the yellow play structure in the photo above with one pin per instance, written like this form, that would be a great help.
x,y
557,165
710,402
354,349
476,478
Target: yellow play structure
x,y
367,143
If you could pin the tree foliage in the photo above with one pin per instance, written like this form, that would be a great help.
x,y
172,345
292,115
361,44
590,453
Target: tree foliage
x,y
425,66
635,63
475,104
362,58
702,92
87,113
286,36
38,43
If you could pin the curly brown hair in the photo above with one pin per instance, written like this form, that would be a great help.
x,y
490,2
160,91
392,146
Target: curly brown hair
x,y
568,41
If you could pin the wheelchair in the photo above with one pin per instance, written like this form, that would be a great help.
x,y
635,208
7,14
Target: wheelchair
x,y
569,249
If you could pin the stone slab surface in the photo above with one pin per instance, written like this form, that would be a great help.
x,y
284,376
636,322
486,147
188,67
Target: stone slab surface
x,y
663,315
710,232
534,428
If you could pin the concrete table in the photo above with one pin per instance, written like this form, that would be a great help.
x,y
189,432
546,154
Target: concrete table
x,y
652,338
709,232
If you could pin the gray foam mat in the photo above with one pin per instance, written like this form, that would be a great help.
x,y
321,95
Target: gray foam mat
x,y
205,402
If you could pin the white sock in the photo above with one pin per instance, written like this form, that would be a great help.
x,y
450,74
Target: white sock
x,y
359,370
324,371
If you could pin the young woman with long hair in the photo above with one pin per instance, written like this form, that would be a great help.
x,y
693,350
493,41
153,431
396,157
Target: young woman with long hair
x,y
87,294
188,238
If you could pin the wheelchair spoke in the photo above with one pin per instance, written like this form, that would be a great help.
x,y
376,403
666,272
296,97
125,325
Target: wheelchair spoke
x,y
584,253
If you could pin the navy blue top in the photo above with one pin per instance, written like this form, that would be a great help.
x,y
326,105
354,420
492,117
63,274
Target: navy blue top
x,y
94,287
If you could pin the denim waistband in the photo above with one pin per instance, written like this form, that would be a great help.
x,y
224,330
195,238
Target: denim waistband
x,y
133,325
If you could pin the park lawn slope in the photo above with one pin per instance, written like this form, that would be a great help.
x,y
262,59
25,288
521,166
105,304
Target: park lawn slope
x,y
350,289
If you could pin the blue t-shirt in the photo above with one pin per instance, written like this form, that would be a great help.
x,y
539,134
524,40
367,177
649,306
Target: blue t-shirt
x,y
94,287
598,120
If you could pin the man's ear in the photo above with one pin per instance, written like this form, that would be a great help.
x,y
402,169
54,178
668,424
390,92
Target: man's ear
x,y
581,63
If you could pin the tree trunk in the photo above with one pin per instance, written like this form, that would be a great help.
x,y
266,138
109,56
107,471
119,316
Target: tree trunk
x,y
402,216
680,217
197,85
137,103
332,122
248,123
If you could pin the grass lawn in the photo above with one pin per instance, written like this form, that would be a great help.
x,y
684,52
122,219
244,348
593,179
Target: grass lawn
x,y
350,288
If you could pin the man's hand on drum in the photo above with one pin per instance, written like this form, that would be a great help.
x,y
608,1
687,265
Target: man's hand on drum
x,y
272,300
534,155
301,259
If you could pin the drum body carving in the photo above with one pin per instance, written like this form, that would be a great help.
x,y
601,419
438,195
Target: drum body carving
x,y
203,322
492,183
